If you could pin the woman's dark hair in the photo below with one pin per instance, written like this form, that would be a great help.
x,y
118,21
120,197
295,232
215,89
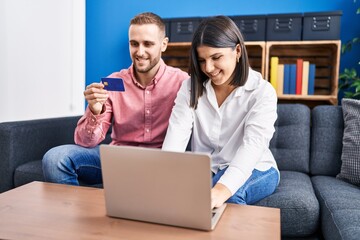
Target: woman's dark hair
x,y
216,32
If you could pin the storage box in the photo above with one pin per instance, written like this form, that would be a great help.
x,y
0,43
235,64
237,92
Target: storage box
x,y
253,27
322,25
167,22
182,29
284,27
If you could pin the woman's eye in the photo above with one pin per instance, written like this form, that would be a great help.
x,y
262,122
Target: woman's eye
x,y
216,58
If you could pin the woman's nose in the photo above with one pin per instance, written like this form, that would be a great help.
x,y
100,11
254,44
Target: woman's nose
x,y
209,66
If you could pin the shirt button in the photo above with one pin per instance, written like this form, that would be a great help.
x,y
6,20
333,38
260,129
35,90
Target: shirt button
x,y
88,131
147,111
147,92
147,130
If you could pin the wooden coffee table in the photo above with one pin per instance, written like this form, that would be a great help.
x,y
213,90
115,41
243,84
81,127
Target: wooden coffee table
x,y
52,211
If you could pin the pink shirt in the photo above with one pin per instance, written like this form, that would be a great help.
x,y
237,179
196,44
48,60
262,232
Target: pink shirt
x,y
140,115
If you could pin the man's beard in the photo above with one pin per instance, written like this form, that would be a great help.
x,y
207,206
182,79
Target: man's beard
x,y
151,65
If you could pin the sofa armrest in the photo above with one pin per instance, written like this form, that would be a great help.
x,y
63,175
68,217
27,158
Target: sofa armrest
x,y
25,141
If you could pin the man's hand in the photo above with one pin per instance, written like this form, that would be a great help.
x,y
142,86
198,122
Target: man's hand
x,y
96,96
219,194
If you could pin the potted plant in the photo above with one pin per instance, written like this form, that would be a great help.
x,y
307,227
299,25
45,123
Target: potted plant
x,y
349,79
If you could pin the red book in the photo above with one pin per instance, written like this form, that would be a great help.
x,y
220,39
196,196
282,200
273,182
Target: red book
x,y
299,72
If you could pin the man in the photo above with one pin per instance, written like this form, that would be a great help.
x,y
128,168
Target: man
x,y
139,115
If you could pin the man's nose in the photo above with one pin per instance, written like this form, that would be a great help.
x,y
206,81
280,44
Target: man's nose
x,y
141,50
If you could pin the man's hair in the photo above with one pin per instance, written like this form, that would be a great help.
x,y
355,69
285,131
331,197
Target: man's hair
x,y
216,32
149,18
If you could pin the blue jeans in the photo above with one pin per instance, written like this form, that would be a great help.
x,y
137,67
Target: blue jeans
x,y
258,186
69,164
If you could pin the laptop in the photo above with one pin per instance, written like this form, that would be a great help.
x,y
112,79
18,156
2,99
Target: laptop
x,y
156,186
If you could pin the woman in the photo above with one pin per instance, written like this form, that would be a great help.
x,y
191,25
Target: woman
x,y
230,111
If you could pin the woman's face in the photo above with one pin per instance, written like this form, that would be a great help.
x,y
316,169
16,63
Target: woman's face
x,y
218,63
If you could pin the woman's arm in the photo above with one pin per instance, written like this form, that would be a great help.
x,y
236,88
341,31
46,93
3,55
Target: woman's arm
x,y
258,131
180,122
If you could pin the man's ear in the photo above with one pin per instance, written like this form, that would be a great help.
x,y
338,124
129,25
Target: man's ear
x,y
164,44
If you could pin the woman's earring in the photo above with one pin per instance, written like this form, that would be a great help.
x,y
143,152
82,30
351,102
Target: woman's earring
x,y
237,59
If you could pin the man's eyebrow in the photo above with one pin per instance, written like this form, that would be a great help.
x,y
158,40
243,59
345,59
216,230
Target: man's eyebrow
x,y
149,41
146,41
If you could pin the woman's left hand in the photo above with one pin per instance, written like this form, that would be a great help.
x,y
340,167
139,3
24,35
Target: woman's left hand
x,y
219,194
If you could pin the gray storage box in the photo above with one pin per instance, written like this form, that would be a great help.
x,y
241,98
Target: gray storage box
x,y
167,22
322,25
182,29
253,27
284,27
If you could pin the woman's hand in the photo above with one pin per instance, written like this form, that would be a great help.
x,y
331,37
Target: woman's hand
x,y
219,194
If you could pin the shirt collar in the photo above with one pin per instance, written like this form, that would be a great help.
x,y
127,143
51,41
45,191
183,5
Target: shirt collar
x,y
251,84
156,78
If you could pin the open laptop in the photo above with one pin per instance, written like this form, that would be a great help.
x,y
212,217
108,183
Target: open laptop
x,y
158,186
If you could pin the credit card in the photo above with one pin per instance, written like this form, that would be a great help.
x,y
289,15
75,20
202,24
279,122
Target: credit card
x,y
113,84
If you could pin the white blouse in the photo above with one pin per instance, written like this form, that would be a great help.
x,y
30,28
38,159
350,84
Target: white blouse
x,y
236,134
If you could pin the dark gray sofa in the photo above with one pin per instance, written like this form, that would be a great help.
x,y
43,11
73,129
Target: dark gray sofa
x,y
339,201
307,146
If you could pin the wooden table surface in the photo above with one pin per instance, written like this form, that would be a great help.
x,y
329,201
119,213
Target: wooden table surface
x,y
52,211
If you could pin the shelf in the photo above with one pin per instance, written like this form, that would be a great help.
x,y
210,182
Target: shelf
x,y
177,55
310,100
324,54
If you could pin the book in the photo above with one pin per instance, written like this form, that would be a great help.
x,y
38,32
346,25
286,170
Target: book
x,y
286,85
292,79
305,78
274,61
280,79
311,83
299,71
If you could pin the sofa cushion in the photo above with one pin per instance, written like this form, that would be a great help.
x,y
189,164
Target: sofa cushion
x,y
290,144
340,207
350,158
299,207
24,141
32,170
327,128
28,172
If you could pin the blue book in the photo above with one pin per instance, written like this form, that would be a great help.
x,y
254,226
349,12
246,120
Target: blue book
x,y
292,79
311,85
286,89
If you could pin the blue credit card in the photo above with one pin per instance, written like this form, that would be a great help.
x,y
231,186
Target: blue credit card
x,y
113,84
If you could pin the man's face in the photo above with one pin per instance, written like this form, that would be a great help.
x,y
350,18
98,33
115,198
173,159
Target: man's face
x,y
146,43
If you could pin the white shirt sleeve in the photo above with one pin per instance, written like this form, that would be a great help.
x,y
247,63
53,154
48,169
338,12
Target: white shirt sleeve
x,y
180,122
258,131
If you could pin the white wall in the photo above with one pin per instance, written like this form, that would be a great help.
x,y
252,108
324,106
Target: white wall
x,y
42,58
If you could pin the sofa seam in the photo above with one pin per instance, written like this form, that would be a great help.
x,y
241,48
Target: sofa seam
x,y
331,212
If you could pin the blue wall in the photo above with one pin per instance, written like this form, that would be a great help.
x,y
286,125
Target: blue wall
x,y
107,23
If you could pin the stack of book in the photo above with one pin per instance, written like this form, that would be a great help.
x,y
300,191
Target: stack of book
x,y
297,78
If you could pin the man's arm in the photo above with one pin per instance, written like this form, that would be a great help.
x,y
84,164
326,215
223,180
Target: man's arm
x,y
93,126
